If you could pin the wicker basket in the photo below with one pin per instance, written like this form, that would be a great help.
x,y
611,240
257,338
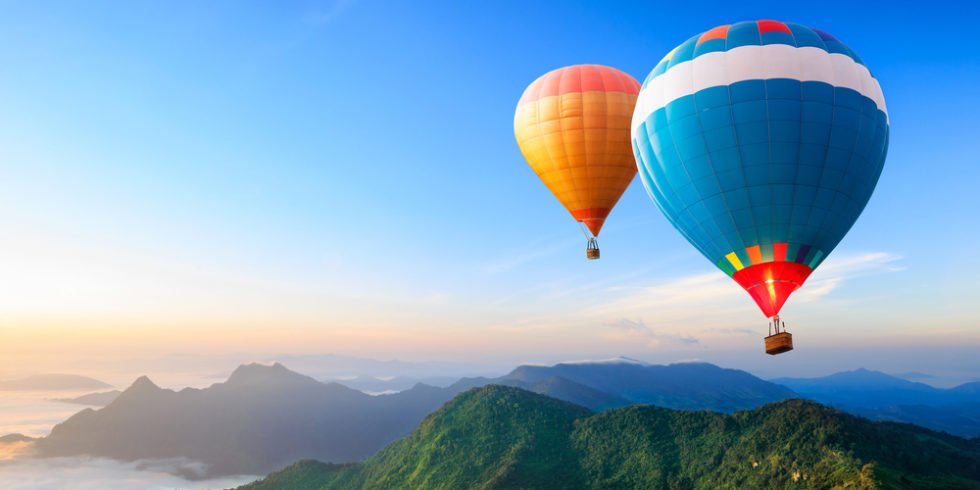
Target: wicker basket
x,y
779,343
592,253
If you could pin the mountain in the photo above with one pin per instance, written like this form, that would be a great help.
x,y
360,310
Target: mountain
x,y
52,382
374,385
14,446
967,389
12,438
913,375
862,388
503,437
100,399
261,418
959,419
511,438
623,382
333,367
567,390
881,396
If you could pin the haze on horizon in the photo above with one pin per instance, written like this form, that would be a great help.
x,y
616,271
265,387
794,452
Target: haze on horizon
x,y
185,188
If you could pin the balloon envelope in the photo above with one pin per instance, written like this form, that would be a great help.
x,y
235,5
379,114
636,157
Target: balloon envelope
x,y
573,127
761,142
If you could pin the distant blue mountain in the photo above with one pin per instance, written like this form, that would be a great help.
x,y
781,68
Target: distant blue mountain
x,y
881,396
53,382
869,389
692,386
864,388
968,389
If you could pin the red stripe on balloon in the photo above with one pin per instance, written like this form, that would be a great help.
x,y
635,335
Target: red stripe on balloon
x,y
593,218
580,78
590,213
773,26
779,251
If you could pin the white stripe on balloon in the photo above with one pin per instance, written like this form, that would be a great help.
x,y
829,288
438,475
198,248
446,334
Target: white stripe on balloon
x,y
720,68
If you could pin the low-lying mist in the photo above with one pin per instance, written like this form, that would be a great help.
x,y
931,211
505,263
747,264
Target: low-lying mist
x,y
84,473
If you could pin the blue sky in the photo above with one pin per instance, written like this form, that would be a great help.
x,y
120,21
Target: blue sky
x,y
343,176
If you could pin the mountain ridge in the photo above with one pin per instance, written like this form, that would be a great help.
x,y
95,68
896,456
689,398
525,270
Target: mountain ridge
x,y
505,437
97,399
273,415
260,419
52,382
881,396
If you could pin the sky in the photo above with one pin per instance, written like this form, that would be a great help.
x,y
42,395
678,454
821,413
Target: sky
x,y
234,180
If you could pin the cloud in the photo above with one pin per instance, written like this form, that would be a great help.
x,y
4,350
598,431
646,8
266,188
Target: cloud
x,y
627,329
436,298
105,474
17,449
835,270
535,253
712,299
698,299
733,331
309,25
323,15
914,375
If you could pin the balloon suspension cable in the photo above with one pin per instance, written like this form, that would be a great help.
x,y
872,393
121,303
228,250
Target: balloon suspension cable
x,y
776,325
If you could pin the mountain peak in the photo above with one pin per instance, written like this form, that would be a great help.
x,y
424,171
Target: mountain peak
x,y
697,385
691,362
16,437
256,373
870,375
143,383
611,360
862,388
142,389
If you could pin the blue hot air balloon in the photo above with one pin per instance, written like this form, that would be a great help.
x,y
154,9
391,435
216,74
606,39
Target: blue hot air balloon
x,y
761,142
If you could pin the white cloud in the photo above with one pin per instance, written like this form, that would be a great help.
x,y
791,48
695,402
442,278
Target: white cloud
x,y
713,305
835,270
733,331
323,15
533,254
436,298
106,474
677,300
625,328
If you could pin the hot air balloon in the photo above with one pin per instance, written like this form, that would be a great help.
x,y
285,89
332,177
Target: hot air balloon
x,y
762,142
573,127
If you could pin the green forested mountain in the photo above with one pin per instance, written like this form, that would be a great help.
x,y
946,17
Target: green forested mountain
x,y
501,437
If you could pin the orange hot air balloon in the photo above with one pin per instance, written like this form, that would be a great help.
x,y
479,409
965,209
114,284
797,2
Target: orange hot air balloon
x,y
573,127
